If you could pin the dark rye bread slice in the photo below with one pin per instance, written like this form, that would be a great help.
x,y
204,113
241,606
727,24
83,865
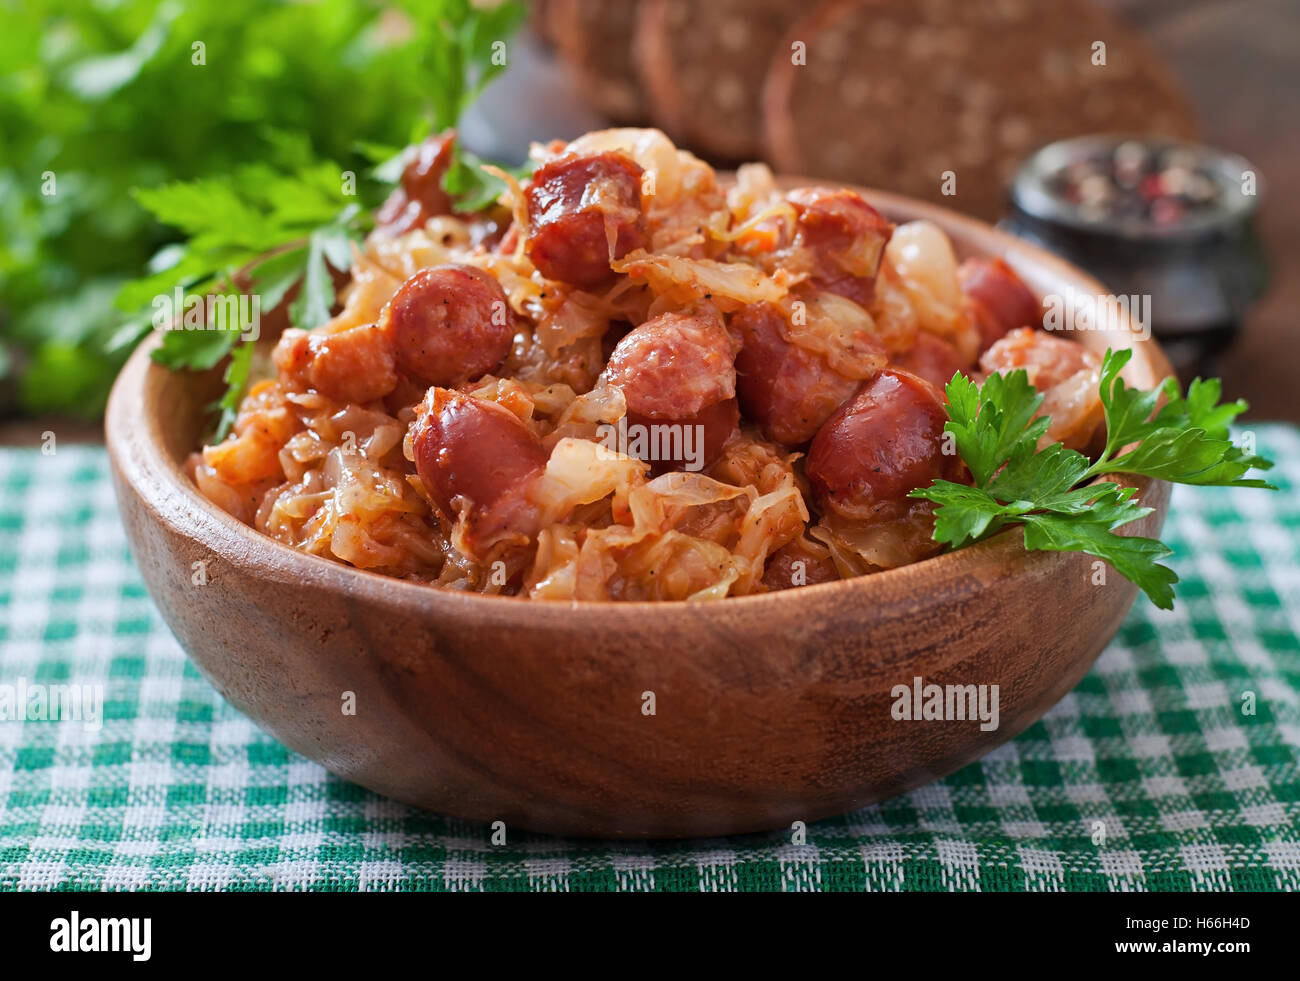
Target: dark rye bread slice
x,y
703,63
595,38
894,93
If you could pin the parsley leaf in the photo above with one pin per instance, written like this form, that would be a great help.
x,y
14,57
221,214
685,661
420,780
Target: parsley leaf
x,y
266,230
991,421
472,187
463,46
89,93
237,376
1133,557
196,351
316,298
1053,493
1187,441
259,231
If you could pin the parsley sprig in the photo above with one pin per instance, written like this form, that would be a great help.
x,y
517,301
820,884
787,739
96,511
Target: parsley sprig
x,y
462,45
260,231
264,229
1051,492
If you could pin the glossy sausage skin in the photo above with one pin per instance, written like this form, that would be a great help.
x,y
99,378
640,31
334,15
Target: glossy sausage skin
x,y
674,365
678,369
997,298
475,454
883,443
579,209
788,390
353,365
420,196
932,358
846,237
710,428
449,324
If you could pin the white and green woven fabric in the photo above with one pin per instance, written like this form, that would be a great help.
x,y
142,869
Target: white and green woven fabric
x,y
1152,774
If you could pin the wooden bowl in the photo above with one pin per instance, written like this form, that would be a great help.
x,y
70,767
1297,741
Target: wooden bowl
x,y
767,709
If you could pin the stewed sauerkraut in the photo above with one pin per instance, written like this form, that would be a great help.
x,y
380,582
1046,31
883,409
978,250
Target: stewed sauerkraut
x,y
627,381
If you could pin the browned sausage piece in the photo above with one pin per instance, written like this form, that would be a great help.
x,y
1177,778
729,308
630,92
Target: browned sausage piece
x,y
584,211
690,443
932,358
845,237
353,365
997,298
420,196
798,563
477,459
449,324
674,365
788,390
678,370
292,358
882,444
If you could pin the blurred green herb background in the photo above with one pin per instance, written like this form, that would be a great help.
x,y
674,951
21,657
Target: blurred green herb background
x,y
100,98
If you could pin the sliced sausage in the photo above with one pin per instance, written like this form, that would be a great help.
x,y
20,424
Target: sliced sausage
x,y
678,369
845,238
477,460
353,365
420,196
788,390
997,298
449,324
883,443
584,211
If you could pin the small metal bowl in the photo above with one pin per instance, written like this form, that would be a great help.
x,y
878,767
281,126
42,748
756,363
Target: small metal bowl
x,y
1202,267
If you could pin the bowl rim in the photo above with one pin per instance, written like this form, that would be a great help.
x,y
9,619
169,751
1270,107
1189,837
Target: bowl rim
x,y
144,466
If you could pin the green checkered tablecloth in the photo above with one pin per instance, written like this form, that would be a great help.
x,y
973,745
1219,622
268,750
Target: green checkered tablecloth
x,y
1149,775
